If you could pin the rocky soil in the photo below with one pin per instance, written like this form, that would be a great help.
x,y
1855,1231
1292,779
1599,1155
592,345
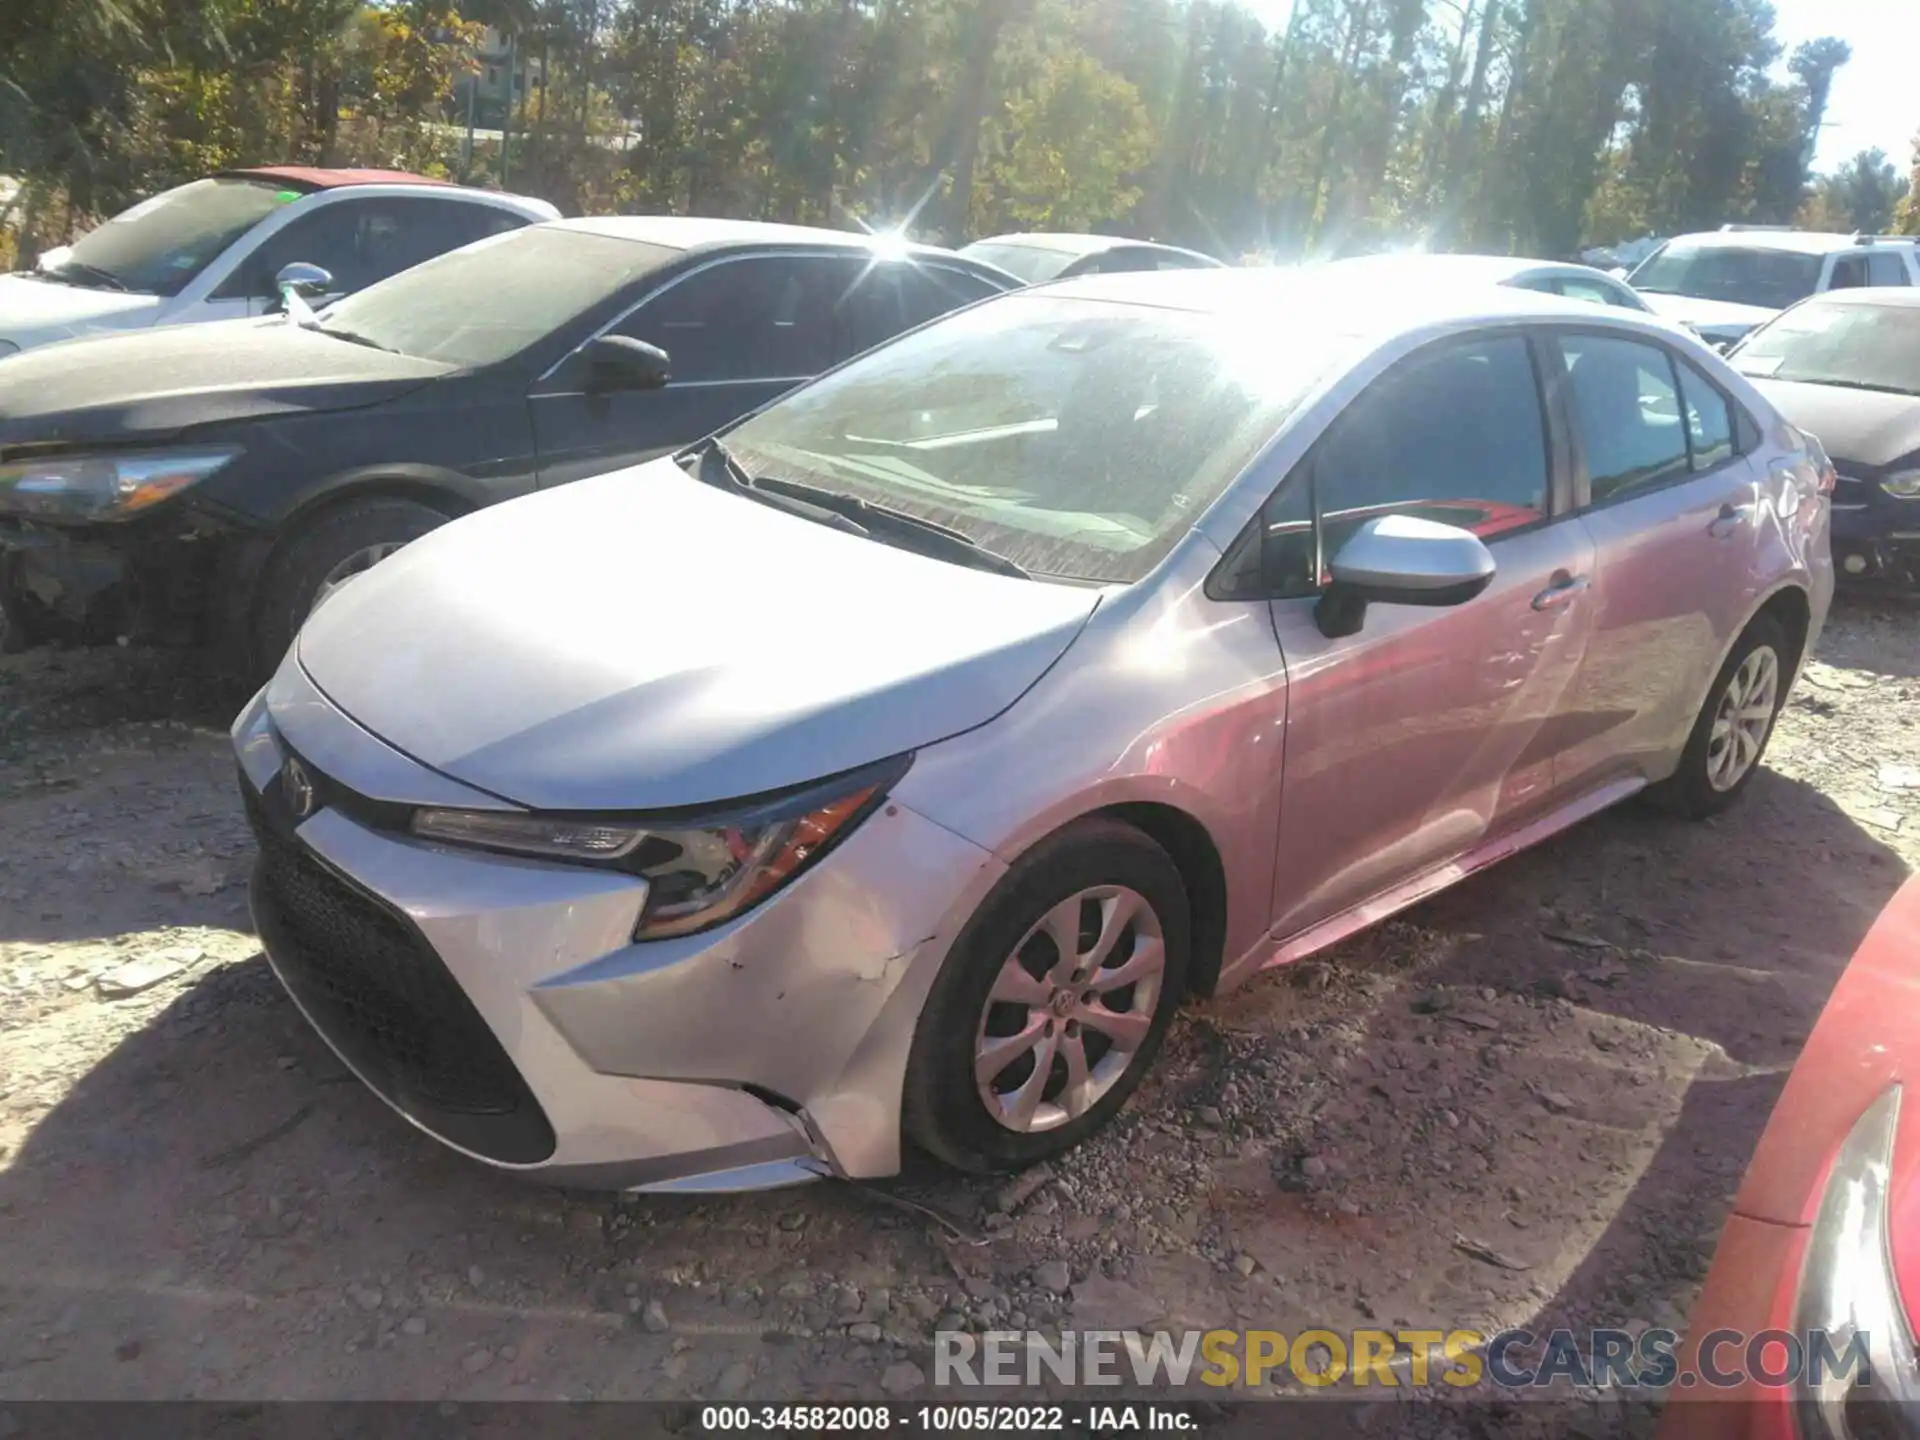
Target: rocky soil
x,y
1529,1101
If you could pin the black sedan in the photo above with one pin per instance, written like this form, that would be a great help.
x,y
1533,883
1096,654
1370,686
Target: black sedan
x,y
1845,366
212,483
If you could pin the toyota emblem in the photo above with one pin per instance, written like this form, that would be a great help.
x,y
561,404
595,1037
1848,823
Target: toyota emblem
x,y
299,786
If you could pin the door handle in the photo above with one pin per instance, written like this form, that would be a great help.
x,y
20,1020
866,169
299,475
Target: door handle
x,y
1560,593
1729,520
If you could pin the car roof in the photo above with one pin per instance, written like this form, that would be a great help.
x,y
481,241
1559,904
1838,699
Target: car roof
x,y
694,232
313,177
1066,243
1801,242
1339,298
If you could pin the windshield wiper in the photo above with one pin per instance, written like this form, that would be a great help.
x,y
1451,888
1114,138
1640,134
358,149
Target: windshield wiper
x,y
353,337
862,517
903,524
78,272
736,478
1847,384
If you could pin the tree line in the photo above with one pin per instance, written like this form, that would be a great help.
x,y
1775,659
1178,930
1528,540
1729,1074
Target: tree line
x,y
1522,126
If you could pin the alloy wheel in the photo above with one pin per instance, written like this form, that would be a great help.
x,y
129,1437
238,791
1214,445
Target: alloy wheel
x,y
1070,1009
1743,718
351,568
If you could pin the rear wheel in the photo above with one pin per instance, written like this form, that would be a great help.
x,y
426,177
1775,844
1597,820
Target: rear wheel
x,y
1053,1003
335,549
1731,733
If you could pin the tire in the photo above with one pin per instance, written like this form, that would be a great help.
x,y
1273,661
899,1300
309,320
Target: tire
x,y
1701,786
945,1111
299,569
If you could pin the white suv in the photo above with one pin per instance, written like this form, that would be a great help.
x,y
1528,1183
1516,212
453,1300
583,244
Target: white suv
x,y
211,249
1725,283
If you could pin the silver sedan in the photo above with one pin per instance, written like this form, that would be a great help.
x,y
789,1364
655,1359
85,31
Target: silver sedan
x,y
886,769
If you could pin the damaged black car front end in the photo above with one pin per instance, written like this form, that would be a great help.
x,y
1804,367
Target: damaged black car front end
x,y
142,476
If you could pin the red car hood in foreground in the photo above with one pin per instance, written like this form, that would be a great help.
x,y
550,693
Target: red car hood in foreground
x,y
1867,1038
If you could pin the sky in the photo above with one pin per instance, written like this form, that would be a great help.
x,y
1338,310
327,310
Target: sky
x,y
1876,100
1876,96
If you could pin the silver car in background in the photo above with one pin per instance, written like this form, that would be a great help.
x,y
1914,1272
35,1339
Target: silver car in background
x,y
886,769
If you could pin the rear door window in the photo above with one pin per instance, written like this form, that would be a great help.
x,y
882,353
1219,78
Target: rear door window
x,y
762,317
1626,411
1849,273
880,301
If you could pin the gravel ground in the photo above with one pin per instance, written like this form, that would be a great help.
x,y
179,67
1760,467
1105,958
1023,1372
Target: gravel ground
x,y
1528,1101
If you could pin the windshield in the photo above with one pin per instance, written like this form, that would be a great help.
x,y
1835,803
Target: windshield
x,y
1770,279
158,246
1838,343
489,301
1077,438
1029,262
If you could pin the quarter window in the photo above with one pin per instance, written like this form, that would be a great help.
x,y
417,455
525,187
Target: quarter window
x,y
1886,268
1455,435
1626,414
1709,419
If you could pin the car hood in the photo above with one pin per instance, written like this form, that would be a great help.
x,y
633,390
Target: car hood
x,y
644,641
1715,315
1867,1038
33,311
1862,427
153,384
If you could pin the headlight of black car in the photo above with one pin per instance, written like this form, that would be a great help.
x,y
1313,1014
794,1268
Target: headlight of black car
x,y
113,486
701,869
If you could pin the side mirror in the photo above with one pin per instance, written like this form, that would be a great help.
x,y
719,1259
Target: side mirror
x,y
1401,560
615,362
1619,272
299,282
299,278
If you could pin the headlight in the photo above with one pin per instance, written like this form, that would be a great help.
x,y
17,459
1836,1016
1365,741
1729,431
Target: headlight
x,y
1903,486
700,870
103,487
1847,1286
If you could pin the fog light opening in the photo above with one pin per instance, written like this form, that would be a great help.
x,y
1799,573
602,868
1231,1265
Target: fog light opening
x,y
1854,564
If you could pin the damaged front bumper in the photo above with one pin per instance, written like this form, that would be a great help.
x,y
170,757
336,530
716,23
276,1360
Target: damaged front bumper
x,y
165,579
500,1004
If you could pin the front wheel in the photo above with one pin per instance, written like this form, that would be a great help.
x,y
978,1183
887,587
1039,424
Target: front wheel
x,y
1053,1003
1731,733
335,549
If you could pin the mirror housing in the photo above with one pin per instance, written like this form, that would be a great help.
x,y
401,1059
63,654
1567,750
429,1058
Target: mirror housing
x,y
306,281
1619,272
1402,560
615,362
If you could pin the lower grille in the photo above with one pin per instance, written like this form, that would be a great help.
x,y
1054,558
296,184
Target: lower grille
x,y
374,986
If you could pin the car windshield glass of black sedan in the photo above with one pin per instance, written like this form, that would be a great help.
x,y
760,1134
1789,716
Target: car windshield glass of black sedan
x,y
1076,437
162,243
1875,347
489,301
1769,279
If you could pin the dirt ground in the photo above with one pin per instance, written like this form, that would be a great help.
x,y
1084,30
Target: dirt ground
x,y
1563,1064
